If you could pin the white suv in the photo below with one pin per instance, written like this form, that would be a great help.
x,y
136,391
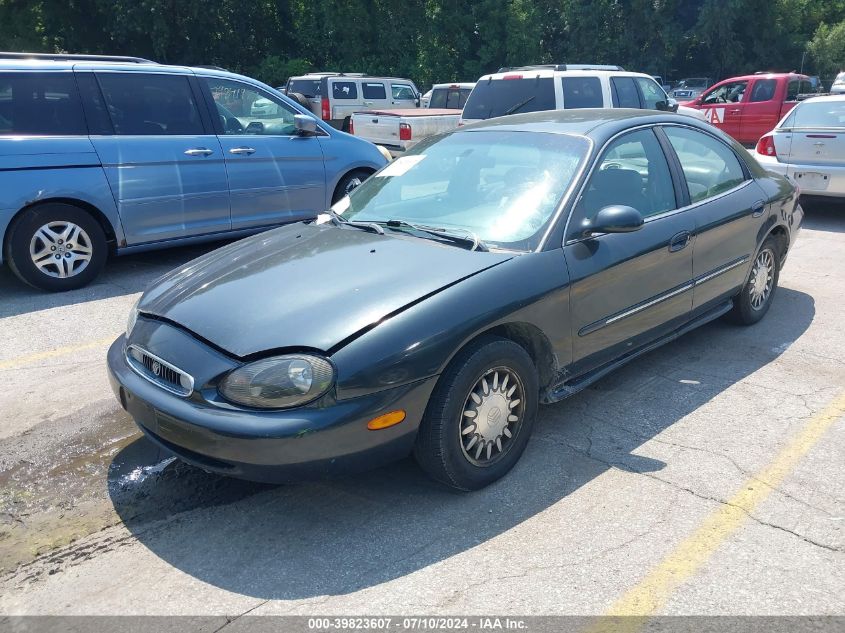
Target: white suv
x,y
566,86
334,97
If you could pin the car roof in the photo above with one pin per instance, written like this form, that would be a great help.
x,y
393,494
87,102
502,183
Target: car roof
x,y
531,73
593,122
345,76
764,76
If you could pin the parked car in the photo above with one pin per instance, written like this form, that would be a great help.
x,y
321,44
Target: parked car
x,y
334,97
449,96
838,85
663,84
565,86
525,258
399,130
103,156
808,147
689,88
749,106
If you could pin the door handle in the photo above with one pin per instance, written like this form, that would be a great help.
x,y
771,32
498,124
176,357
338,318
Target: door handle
x,y
679,241
242,150
737,111
199,151
368,103
757,209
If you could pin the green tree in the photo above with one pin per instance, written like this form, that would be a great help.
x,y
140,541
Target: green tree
x,y
828,49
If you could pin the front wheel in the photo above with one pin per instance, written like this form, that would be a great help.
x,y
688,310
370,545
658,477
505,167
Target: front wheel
x,y
56,247
480,415
349,183
755,298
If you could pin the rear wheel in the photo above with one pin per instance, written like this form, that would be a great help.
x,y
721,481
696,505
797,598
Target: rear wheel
x,y
56,247
480,416
349,183
755,298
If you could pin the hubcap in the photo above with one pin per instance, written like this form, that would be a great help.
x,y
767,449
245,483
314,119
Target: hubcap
x,y
61,249
492,414
762,277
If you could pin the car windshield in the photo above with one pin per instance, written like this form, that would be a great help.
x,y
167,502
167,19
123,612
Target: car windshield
x,y
501,187
826,114
499,97
306,87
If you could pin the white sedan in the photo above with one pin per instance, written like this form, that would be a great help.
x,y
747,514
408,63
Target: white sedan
x,y
808,146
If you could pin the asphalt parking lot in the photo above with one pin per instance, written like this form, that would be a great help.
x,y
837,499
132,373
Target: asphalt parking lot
x,y
705,478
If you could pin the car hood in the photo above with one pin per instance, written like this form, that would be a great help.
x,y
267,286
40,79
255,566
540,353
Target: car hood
x,y
306,286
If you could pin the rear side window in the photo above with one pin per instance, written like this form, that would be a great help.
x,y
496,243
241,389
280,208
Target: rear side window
x,y
624,92
581,92
500,97
150,105
373,91
710,167
792,90
764,90
344,90
40,104
306,87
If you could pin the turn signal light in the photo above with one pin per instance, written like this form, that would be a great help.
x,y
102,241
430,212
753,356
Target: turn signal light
x,y
387,420
766,146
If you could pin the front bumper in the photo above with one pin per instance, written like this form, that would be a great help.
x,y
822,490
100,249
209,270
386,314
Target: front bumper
x,y
271,446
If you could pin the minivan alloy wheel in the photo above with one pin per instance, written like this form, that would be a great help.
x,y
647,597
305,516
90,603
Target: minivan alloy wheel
x,y
61,249
491,416
762,278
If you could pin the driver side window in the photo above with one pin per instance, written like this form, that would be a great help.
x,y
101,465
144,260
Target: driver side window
x,y
243,110
633,171
731,92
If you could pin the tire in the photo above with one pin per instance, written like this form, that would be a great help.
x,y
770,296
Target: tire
x,y
752,303
42,230
301,99
344,127
349,182
444,447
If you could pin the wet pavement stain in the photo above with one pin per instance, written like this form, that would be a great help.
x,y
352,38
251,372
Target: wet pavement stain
x,y
72,478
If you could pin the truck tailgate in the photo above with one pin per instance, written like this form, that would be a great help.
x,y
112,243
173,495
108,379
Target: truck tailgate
x,y
383,126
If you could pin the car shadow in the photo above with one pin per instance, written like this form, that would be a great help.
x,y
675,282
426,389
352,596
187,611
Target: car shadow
x,y
824,215
336,537
123,275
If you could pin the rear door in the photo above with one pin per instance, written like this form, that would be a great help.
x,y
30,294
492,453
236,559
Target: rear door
x,y
761,112
274,175
163,161
729,211
374,94
345,98
629,288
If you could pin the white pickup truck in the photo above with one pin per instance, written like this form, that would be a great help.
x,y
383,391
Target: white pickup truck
x,y
399,130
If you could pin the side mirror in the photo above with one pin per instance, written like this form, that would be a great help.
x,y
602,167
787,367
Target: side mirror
x,y
617,218
417,101
305,125
672,104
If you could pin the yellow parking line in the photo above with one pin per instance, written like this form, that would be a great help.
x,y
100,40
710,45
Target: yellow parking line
x,y
654,590
22,361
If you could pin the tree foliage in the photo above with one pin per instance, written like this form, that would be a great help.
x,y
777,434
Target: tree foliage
x,y
440,40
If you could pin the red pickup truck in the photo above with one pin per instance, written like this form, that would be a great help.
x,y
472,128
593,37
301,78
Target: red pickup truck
x,y
750,106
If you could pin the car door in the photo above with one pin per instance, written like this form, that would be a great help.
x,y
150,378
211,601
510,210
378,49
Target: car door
x,y
628,288
723,105
374,94
762,110
729,211
403,94
163,162
274,174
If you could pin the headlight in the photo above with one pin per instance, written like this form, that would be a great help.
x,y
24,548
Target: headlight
x,y
133,317
279,382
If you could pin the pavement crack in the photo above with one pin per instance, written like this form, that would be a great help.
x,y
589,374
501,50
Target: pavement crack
x,y
229,620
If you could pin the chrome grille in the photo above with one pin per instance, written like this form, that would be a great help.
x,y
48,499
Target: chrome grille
x,y
159,371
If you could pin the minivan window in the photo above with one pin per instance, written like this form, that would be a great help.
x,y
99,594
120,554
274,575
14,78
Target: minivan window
x,y
624,92
244,110
710,167
492,98
40,104
373,90
344,90
150,104
581,92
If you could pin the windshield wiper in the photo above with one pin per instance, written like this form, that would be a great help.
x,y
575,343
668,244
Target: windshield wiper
x,y
513,109
468,237
338,220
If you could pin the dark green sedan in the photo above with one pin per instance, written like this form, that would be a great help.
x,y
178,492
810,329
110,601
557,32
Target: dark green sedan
x,y
506,264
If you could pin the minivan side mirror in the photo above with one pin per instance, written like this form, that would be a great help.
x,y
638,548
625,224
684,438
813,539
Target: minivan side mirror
x,y
305,125
616,218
